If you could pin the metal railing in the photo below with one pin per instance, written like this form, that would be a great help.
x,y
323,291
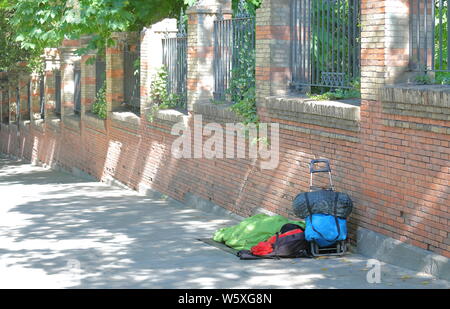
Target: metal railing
x,y
429,28
4,103
5,107
42,96
58,93
175,62
326,43
77,91
132,80
29,94
234,48
17,114
100,74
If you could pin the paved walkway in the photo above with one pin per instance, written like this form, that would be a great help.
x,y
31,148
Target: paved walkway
x,y
58,231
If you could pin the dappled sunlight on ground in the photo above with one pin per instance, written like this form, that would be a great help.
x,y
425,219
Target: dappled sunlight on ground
x,y
57,231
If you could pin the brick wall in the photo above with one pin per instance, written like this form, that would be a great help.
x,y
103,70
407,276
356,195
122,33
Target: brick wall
x,y
390,153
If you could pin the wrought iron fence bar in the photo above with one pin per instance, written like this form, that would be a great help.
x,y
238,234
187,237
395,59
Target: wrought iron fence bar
x,y
441,60
58,93
132,79
356,35
418,31
17,105
42,96
301,38
29,97
318,46
448,40
293,34
425,26
433,29
77,92
100,74
331,30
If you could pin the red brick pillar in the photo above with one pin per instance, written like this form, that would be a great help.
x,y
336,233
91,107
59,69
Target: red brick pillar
x,y
200,78
35,95
52,64
24,84
115,72
88,78
384,45
273,48
12,96
152,54
69,63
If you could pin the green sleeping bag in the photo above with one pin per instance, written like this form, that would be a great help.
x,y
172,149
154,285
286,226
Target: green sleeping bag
x,y
252,231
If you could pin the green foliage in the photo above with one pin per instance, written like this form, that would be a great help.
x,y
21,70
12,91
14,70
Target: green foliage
x,y
339,94
246,107
250,5
160,97
10,50
423,79
41,24
99,106
34,25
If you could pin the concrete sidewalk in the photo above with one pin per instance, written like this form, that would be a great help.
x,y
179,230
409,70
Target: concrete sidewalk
x,y
58,231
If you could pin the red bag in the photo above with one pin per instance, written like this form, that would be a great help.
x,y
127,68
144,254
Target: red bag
x,y
263,248
266,247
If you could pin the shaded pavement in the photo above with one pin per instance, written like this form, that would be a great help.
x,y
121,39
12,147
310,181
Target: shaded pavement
x,y
59,231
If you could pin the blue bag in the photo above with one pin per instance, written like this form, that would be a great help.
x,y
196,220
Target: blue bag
x,y
325,230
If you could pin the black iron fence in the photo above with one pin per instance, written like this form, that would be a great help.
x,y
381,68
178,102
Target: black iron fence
x,y
17,114
325,43
175,62
29,94
132,92
6,110
58,93
77,91
234,48
100,74
429,43
42,96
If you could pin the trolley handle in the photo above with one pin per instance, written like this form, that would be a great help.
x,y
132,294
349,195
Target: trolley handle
x,y
326,169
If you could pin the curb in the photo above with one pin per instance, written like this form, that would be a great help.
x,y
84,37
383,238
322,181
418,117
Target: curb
x,y
395,252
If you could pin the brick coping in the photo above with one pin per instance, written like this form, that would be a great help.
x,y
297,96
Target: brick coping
x,y
54,123
72,121
172,115
129,119
218,111
345,110
430,95
38,124
94,120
